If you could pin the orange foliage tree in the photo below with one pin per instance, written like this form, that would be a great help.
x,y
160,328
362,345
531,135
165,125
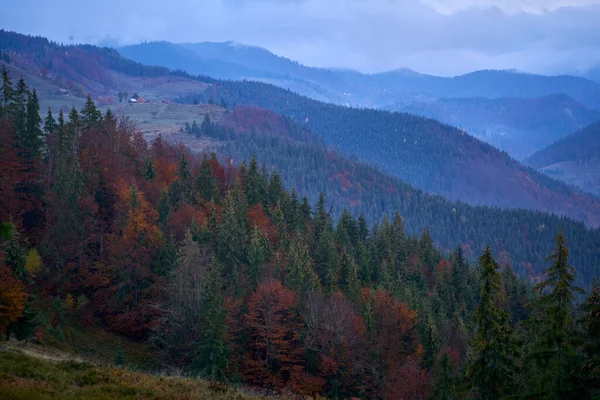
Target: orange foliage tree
x,y
392,333
134,244
12,298
273,358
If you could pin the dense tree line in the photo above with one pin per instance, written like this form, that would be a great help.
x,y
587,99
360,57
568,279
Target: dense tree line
x,y
520,238
232,277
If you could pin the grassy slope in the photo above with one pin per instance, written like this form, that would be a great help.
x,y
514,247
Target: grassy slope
x,y
574,159
41,376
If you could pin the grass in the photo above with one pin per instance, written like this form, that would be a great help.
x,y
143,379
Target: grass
x,y
153,119
23,376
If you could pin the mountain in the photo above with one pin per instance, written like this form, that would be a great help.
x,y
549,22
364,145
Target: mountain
x,y
364,90
432,156
519,126
574,159
517,112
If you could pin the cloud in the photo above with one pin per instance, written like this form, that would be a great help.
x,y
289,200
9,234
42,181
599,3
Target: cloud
x,y
434,36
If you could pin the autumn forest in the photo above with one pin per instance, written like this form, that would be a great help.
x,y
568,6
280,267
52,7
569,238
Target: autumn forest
x,y
219,270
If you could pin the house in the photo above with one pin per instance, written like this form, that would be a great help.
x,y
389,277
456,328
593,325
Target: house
x,y
63,92
132,100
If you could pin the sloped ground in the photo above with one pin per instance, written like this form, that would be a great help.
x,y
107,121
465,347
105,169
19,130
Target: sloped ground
x,y
32,372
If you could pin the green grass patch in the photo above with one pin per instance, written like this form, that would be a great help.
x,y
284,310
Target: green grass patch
x,y
26,377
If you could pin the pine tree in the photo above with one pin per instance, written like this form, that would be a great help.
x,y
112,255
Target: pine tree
x,y
258,254
255,185
554,351
490,372
206,183
300,276
211,353
90,115
445,384
349,281
233,234
6,91
182,190
591,340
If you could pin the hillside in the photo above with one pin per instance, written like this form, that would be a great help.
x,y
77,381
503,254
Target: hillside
x,y
519,126
308,166
86,69
354,88
574,159
432,156
34,375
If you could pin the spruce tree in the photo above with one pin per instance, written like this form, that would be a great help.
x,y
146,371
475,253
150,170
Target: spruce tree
x,y
591,341
90,115
490,372
445,384
211,351
554,350
258,254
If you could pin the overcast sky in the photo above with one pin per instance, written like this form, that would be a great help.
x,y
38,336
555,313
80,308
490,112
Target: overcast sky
x,y
444,37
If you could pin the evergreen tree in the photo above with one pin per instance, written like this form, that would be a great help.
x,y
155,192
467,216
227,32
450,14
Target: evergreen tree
x,y
591,341
233,234
90,115
445,384
300,276
255,185
211,351
554,350
490,372
6,91
182,190
349,281
206,183
258,254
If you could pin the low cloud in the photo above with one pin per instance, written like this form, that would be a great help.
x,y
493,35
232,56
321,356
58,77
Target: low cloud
x,y
434,36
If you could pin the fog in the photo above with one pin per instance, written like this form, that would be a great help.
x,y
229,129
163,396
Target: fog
x,y
441,37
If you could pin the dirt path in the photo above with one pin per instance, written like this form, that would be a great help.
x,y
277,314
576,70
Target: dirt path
x,y
44,353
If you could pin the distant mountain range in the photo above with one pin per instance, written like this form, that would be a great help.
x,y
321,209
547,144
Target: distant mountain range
x,y
574,159
520,126
517,112
432,156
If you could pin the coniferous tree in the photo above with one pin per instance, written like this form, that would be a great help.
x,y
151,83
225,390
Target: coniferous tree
x,y
299,271
591,341
90,115
258,254
206,183
445,384
490,372
254,184
211,353
554,350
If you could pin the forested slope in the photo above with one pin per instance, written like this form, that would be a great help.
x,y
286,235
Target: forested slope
x,y
228,276
430,155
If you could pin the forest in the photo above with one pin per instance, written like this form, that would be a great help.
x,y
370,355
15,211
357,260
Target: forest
x,y
224,273
519,237
430,155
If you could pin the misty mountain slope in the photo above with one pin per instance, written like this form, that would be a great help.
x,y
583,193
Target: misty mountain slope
x,y
310,167
375,90
435,157
432,156
519,126
574,159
